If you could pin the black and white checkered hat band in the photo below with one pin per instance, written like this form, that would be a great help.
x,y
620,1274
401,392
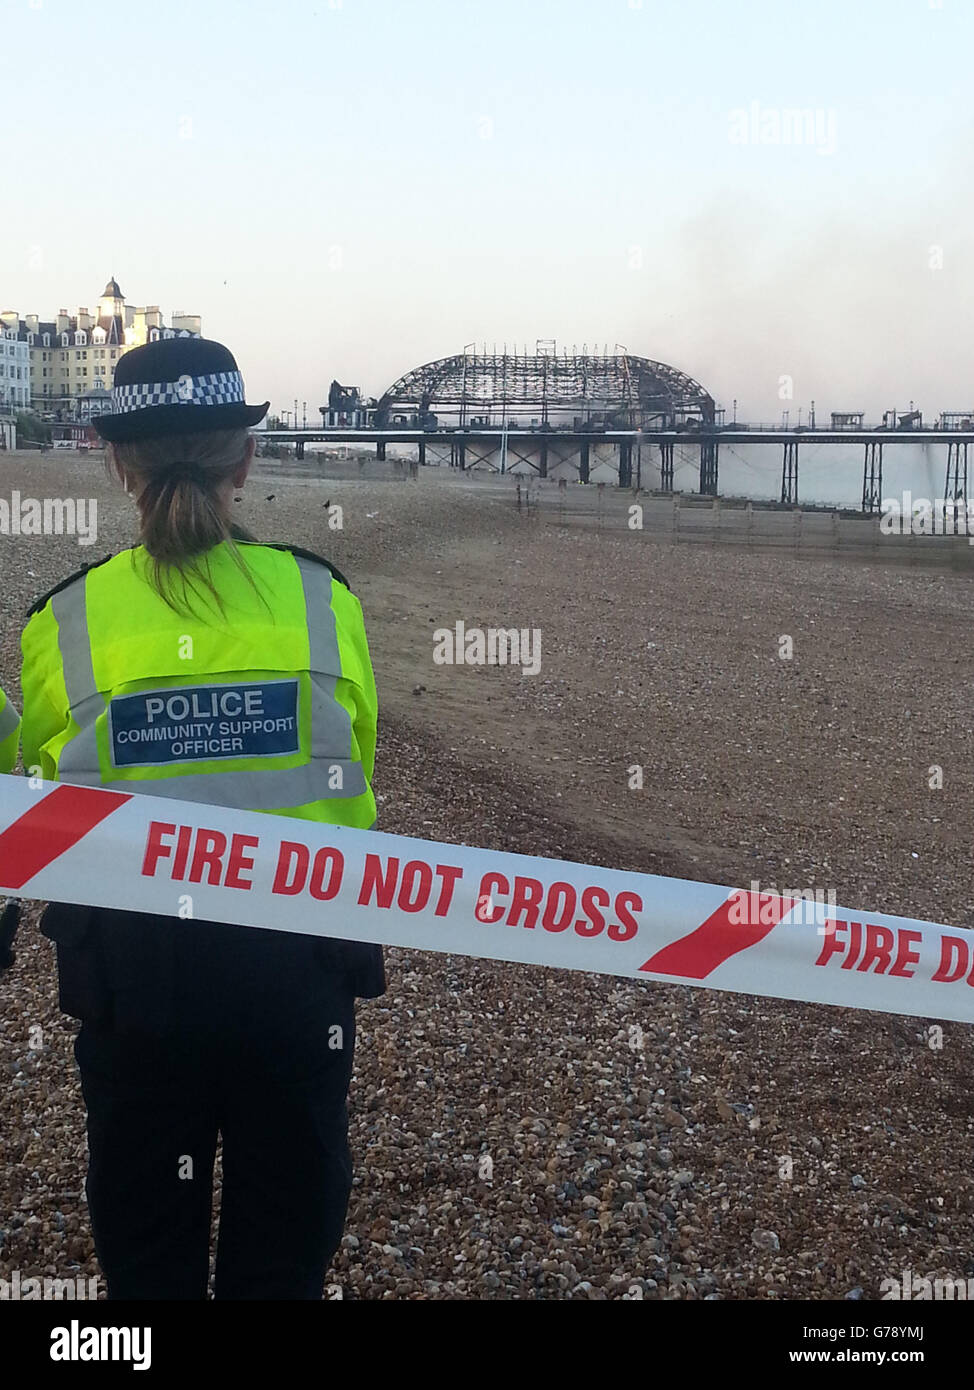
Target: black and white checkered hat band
x,y
219,388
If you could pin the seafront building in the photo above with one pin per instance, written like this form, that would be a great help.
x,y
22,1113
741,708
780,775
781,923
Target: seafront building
x,y
14,372
61,367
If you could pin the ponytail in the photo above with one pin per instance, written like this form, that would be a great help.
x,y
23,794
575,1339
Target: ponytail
x,y
177,481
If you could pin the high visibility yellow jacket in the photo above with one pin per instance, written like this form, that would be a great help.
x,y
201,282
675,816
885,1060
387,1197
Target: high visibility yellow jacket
x,y
9,734
268,706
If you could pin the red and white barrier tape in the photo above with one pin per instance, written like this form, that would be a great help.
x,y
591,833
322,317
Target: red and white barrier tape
x,y
73,844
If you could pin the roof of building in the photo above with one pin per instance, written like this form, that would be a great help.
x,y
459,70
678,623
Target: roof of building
x,y
111,323
112,291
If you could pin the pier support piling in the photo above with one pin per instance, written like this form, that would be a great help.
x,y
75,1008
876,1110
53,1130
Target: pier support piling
x,y
955,488
708,467
789,472
625,464
872,477
666,465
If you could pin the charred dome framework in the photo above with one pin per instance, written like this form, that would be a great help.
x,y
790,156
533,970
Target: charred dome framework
x,y
545,390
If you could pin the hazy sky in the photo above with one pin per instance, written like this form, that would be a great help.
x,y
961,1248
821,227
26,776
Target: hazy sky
x,y
351,187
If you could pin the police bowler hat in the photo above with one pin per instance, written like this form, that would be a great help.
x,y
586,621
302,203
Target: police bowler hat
x,y
176,386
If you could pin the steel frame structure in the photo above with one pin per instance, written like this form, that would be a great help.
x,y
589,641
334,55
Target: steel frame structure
x,y
872,477
579,391
789,472
955,486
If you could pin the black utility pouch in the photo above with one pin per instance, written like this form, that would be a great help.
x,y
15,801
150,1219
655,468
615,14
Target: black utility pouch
x,y
82,987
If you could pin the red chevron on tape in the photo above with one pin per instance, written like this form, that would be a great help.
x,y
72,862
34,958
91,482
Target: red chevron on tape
x,y
59,820
718,938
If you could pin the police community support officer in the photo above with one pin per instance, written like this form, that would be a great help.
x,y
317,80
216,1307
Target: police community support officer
x,y
192,1029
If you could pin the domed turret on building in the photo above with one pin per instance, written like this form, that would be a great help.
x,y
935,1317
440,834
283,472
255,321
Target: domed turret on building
x,y
112,306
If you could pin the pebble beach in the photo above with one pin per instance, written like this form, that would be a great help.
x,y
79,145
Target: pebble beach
x,y
525,1133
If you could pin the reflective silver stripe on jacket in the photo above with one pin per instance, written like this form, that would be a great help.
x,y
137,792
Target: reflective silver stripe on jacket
x,y
80,754
246,789
9,719
331,727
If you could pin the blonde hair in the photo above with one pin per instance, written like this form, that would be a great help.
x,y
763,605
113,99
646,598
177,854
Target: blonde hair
x,y
176,481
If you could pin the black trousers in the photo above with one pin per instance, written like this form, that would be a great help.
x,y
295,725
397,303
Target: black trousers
x,y
256,1047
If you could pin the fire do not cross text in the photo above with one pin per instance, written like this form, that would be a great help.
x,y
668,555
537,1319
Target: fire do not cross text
x,y
193,854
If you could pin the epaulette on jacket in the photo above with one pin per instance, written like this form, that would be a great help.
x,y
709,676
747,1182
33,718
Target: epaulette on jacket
x,y
78,574
318,559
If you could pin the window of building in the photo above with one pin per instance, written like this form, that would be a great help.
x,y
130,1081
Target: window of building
x,y
80,336
47,340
